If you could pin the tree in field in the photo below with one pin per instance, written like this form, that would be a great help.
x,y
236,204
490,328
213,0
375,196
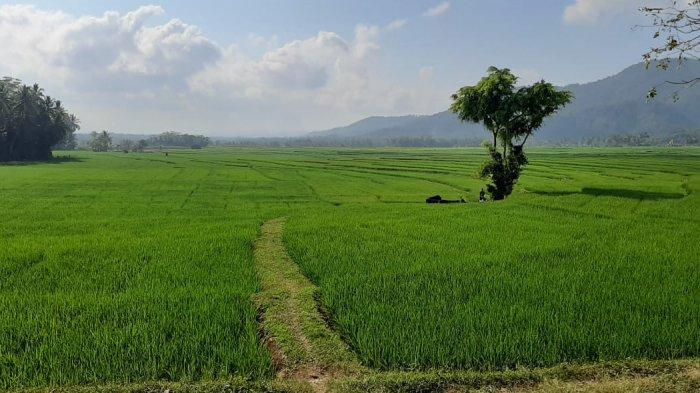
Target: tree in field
x,y
100,141
678,28
69,142
31,124
511,115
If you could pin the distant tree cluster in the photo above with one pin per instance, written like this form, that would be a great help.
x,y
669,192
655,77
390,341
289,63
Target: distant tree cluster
x,y
427,141
31,123
319,141
512,115
100,141
687,138
70,142
177,139
128,145
103,141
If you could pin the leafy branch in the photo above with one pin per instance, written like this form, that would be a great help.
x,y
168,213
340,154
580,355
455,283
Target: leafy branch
x,y
678,26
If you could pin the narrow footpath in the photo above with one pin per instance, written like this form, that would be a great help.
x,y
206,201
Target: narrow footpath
x,y
303,347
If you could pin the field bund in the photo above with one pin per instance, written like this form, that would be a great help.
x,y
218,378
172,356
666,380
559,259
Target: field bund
x,y
127,268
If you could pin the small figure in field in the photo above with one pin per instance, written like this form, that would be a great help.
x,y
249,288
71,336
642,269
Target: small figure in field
x,y
482,196
166,154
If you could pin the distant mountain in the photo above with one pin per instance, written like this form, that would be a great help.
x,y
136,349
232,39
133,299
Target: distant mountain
x,y
367,125
613,105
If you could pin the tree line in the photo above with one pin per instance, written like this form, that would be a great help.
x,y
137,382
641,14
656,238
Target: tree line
x,y
680,138
332,141
103,141
31,123
684,138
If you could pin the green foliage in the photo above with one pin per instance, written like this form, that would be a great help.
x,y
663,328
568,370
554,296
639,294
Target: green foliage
x,y
176,139
677,25
30,122
487,102
504,172
511,115
69,142
100,141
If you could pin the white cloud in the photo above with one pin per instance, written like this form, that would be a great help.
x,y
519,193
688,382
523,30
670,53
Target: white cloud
x,y
366,40
438,9
588,12
397,24
108,52
426,73
326,71
263,42
121,72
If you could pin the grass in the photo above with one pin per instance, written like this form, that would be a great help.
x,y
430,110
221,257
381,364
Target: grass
x,y
625,376
303,346
127,268
594,259
123,269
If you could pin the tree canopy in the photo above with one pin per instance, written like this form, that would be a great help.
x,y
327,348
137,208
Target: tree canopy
x,y
100,141
31,123
678,27
512,115
179,140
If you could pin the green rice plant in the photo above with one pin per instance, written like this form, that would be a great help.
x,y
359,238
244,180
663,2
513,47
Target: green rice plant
x,y
129,268
596,258
116,269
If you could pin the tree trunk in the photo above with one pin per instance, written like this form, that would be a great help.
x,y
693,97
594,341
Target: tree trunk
x,y
524,140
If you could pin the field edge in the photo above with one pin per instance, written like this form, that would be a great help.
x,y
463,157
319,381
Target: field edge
x,y
631,375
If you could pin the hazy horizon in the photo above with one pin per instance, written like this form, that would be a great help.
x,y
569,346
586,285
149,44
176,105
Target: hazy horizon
x,y
228,69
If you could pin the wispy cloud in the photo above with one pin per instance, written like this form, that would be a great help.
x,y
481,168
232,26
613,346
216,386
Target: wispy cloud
x,y
589,12
397,24
438,9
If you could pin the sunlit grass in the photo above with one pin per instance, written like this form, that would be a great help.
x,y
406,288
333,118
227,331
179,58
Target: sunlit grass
x,y
136,267
594,258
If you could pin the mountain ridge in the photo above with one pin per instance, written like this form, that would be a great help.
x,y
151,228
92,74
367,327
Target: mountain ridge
x,y
612,105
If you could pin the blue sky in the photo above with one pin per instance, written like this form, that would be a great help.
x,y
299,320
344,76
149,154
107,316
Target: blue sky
x,y
281,67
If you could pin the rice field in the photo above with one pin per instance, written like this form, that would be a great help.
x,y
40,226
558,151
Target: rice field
x,y
126,269
137,267
595,258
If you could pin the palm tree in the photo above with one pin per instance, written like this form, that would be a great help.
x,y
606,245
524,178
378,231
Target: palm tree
x,y
30,122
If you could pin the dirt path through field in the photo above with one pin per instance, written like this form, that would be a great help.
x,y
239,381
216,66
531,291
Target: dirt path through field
x,y
303,347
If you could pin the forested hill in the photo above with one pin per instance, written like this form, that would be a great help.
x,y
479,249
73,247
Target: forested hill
x,y
613,105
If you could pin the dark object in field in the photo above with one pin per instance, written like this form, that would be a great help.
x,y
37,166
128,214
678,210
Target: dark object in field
x,y
434,199
438,199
